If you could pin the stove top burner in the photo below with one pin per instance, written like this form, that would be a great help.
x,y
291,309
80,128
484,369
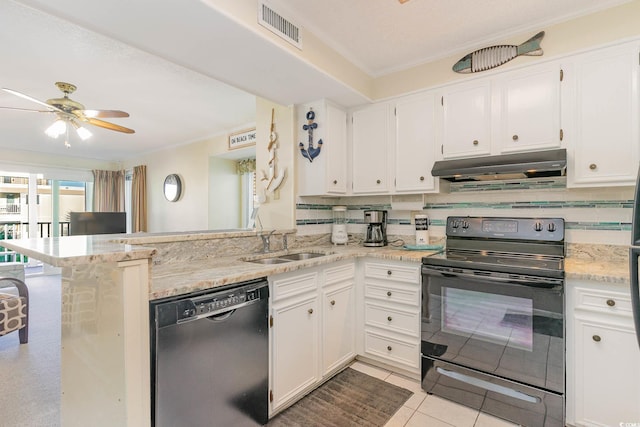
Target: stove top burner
x,y
527,246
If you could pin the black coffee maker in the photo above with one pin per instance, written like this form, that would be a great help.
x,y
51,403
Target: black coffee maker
x,y
376,234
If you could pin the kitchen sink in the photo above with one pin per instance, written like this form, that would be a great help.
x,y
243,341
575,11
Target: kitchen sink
x,y
268,260
301,256
280,259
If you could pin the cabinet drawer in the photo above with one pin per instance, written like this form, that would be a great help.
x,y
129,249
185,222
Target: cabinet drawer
x,y
339,274
396,351
394,292
392,319
287,286
603,301
398,273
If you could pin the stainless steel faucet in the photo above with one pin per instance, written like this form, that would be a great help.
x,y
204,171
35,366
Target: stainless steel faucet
x,y
266,241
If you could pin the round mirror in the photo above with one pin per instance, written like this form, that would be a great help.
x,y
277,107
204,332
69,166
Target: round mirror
x,y
172,187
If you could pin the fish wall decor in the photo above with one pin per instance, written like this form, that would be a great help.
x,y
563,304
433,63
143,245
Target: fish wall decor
x,y
494,56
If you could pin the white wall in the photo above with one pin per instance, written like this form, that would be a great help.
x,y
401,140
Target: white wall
x,y
225,192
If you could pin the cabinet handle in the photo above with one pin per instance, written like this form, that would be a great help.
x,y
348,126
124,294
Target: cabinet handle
x,y
378,181
422,178
388,293
597,338
310,311
389,348
611,302
335,181
389,272
475,142
389,318
333,302
514,137
593,166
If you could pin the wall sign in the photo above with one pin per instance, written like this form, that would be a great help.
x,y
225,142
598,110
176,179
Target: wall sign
x,y
242,139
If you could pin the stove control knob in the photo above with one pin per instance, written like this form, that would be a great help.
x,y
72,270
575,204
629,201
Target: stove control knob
x,y
537,226
465,224
551,227
455,224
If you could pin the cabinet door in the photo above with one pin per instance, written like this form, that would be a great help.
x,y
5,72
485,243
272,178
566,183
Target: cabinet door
x,y
295,342
605,121
415,143
370,137
338,327
607,377
336,141
327,174
467,120
530,105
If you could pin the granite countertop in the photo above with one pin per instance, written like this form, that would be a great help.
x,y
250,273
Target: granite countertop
x,y
605,264
74,250
175,278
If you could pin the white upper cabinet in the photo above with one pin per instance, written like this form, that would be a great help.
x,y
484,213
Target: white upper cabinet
x,y
415,143
508,112
530,107
327,173
371,144
602,130
467,120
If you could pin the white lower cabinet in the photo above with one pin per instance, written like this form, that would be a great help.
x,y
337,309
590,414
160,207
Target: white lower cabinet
x,y
312,329
603,358
391,314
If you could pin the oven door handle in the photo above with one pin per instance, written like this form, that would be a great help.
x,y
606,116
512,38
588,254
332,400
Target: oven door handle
x,y
486,385
543,283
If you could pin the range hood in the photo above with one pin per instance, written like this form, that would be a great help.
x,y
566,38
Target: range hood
x,y
506,166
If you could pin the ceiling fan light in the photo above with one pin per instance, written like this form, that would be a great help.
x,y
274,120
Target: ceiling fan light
x,y
82,132
56,129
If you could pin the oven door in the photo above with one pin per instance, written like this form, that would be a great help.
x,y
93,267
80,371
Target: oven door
x,y
509,330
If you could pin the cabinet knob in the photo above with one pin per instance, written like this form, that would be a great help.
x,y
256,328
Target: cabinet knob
x,y
597,338
422,178
611,302
389,272
388,293
335,181
475,142
378,181
310,311
389,348
593,166
389,319
333,302
514,137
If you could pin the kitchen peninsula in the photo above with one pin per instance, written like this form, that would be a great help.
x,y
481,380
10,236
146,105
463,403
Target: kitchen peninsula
x,y
108,281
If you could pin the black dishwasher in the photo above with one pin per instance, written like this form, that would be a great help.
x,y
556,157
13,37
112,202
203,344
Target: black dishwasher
x,y
210,357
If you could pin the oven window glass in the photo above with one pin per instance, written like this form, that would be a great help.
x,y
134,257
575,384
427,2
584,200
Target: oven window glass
x,y
499,319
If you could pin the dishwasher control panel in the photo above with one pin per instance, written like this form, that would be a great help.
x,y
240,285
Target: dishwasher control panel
x,y
210,305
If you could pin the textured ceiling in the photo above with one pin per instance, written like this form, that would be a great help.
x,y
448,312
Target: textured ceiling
x,y
382,36
185,71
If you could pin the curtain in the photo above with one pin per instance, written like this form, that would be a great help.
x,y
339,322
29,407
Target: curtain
x,y
246,166
108,191
139,199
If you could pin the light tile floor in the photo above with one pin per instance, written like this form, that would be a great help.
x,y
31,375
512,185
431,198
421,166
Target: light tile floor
x,y
427,410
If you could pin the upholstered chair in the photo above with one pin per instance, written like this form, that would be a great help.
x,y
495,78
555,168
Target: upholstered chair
x,y
14,309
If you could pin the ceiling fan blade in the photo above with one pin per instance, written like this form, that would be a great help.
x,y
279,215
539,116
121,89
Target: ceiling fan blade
x,y
22,95
27,109
101,113
107,125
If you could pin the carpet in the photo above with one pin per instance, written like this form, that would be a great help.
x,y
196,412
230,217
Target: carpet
x,y
351,398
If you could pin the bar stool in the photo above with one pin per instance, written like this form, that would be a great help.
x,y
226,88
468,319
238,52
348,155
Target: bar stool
x,y
14,309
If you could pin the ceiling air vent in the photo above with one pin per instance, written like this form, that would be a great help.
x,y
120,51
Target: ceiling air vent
x,y
276,23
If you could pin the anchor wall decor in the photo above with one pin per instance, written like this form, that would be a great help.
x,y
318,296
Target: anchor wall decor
x,y
275,178
311,152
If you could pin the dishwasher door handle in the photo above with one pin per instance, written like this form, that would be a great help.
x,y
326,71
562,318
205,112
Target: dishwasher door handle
x,y
221,317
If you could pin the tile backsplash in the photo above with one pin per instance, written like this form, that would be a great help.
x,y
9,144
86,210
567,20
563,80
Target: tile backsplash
x,y
594,215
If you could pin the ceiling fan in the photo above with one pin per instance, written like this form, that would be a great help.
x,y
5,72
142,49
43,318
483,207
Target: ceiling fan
x,y
69,113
